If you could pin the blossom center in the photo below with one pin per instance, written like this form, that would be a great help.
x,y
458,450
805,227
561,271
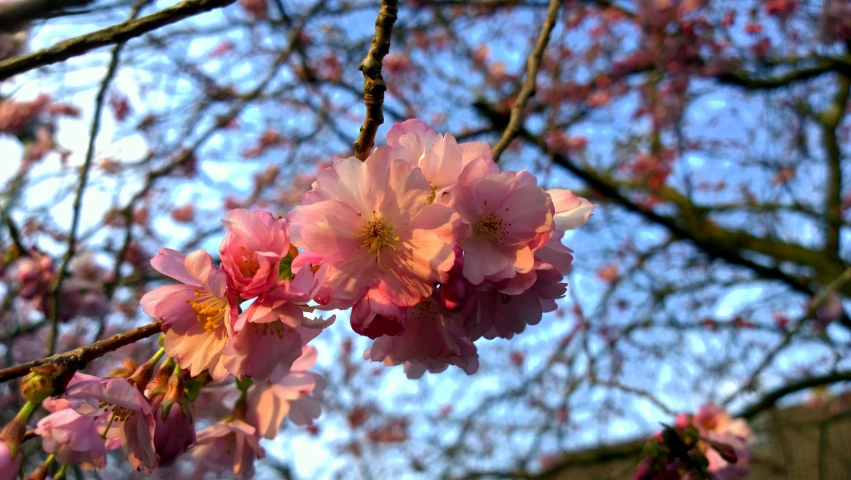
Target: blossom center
x,y
432,194
491,227
277,329
376,234
209,310
248,265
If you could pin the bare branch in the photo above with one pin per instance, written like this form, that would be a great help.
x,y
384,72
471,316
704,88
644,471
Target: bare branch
x,y
528,90
21,12
78,358
56,291
107,36
373,82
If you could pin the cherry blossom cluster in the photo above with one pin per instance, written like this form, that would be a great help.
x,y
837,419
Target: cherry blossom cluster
x,y
427,241
151,419
708,444
433,247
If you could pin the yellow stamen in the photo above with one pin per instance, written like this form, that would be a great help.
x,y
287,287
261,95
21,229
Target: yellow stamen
x,y
491,228
377,234
209,310
248,265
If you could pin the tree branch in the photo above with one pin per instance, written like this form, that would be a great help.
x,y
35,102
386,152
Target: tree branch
x,y
107,36
773,396
56,291
78,358
528,89
21,12
373,82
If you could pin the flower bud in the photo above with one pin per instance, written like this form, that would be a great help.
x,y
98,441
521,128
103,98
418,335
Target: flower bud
x,y
175,430
727,452
453,294
37,385
39,473
127,368
10,464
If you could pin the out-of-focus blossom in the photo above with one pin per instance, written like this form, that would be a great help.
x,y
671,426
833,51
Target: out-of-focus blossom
x,y
34,274
724,432
371,223
129,414
233,445
836,20
197,316
295,396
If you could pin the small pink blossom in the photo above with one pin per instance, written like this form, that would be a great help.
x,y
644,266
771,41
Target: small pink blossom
x,y
432,341
505,216
295,396
74,438
273,330
571,212
129,412
371,223
440,157
716,425
252,250
375,315
505,308
197,316
234,445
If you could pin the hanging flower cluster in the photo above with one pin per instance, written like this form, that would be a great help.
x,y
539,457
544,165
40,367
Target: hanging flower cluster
x,y
429,244
434,247
708,444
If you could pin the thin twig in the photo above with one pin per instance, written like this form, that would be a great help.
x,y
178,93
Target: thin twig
x,y
528,89
773,396
373,82
107,36
56,290
78,358
818,301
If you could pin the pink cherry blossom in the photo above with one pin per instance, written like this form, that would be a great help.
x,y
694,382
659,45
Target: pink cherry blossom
x,y
233,445
129,413
74,438
296,395
440,157
252,250
715,424
273,330
375,315
504,309
197,316
506,217
432,341
371,223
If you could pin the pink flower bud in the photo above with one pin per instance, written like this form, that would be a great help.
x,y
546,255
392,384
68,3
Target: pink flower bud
x,y
175,430
9,465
